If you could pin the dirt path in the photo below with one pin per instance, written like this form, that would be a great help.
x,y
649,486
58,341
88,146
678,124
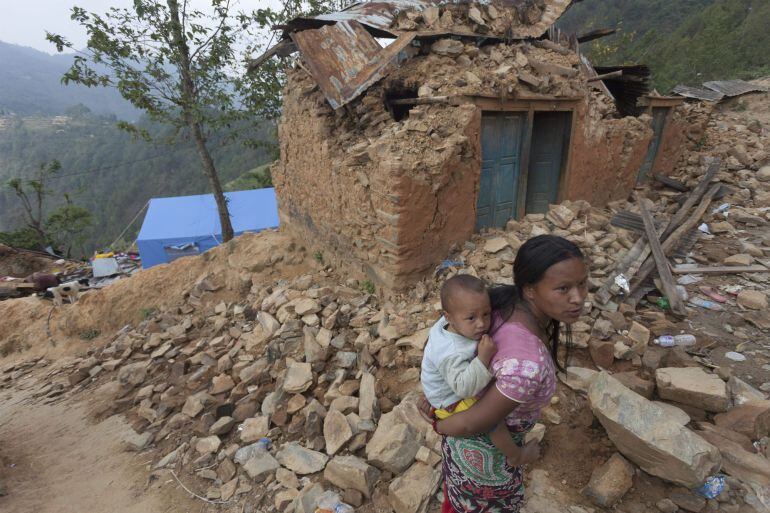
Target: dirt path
x,y
55,461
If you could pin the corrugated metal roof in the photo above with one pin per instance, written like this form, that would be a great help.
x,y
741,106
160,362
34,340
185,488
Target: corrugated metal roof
x,y
699,93
732,88
379,16
345,59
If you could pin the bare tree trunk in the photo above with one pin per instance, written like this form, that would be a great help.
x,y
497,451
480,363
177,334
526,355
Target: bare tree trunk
x,y
188,111
216,187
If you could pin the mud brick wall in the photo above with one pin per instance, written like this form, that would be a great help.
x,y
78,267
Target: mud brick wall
x,y
383,198
606,155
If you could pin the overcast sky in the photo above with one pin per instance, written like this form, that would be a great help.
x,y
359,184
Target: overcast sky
x,y
24,22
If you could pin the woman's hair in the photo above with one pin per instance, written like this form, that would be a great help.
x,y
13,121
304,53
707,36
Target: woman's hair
x,y
533,259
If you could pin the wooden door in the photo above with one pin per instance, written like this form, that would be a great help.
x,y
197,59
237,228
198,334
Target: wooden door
x,y
658,122
550,140
502,134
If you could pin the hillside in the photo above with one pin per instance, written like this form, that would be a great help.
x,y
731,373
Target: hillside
x,y
688,41
30,84
107,171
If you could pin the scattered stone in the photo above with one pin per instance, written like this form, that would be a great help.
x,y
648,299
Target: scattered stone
x,y
561,216
739,259
337,431
692,386
647,435
579,378
751,419
254,428
410,492
448,47
367,398
752,299
640,336
667,506
287,478
495,245
208,445
351,472
643,387
301,460
260,465
299,377
221,384
688,501
393,445
133,374
610,481
222,426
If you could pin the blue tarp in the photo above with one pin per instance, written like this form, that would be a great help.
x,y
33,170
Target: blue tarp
x,y
188,225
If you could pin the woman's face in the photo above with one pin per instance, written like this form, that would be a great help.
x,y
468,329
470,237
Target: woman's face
x,y
561,292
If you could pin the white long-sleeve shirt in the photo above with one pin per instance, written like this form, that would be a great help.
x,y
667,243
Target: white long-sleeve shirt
x,y
450,369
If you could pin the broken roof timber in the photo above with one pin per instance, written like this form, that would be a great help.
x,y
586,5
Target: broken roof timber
x,y
698,93
732,88
345,60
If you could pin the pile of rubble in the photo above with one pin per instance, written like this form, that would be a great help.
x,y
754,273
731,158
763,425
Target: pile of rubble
x,y
304,389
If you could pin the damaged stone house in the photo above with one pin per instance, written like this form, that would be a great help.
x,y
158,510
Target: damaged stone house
x,y
409,124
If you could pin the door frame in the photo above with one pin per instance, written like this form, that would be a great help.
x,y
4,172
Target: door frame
x,y
671,102
530,106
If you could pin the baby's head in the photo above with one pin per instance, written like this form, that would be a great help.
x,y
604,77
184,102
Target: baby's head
x,y
466,306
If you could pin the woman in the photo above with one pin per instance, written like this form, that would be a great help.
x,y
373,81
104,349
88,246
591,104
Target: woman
x,y
550,288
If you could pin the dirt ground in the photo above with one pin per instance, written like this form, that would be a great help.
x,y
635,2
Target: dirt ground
x,y
54,461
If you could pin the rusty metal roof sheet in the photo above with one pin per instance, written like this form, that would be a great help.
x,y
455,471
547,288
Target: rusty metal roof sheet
x,y
345,60
699,93
378,16
732,88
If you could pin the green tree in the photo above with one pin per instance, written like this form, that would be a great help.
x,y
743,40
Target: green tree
x,y
31,194
63,229
177,64
66,226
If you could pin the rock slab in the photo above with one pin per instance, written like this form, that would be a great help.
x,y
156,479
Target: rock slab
x,y
610,481
692,386
347,472
647,435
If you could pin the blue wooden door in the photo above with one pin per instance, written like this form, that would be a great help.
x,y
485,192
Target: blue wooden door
x,y
658,122
550,139
501,141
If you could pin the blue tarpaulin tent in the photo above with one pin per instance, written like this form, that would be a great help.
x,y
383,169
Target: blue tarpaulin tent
x,y
189,225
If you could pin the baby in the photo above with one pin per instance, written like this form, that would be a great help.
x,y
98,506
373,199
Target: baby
x,y
455,364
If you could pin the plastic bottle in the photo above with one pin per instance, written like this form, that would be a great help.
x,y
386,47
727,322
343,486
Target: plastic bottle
x,y
264,443
676,340
330,502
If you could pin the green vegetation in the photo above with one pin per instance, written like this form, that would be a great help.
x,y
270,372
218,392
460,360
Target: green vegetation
x,y
367,286
146,313
687,41
257,178
90,334
319,257
107,172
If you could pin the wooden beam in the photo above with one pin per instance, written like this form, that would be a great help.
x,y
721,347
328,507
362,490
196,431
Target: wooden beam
x,y
693,198
605,76
661,262
595,34
550,45
426,100
726,269
283,48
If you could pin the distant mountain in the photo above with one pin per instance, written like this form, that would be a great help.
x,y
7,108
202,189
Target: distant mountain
x,y
683,41
30,84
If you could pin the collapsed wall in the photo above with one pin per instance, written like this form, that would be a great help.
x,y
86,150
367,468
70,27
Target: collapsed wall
x,y
388,189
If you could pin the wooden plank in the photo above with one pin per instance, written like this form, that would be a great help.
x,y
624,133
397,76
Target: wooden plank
x,y
664,271
670,182
595,34
670,243
605,76
694,198
727,269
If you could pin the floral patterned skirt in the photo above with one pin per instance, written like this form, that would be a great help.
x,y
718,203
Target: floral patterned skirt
x,y
477,478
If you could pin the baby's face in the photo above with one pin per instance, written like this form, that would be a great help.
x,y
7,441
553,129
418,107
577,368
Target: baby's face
x,y
469,313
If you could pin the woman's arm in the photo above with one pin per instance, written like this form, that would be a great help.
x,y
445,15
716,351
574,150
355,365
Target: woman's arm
x,y
480,418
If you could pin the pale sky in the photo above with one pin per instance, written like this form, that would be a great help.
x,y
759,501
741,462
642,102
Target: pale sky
x,y
24,22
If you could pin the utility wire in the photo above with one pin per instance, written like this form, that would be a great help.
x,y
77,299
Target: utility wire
x,y
112,166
